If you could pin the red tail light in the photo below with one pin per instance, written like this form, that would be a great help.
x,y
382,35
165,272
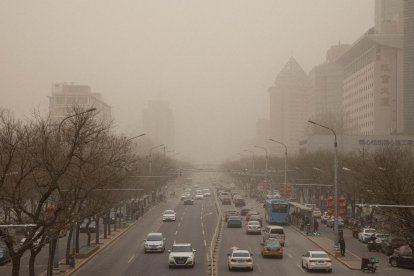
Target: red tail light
x,y
233,260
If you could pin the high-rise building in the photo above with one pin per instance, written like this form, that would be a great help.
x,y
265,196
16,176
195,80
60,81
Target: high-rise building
x,y
409,66
158,123
289,105
65,96
389,16
372,86
325,82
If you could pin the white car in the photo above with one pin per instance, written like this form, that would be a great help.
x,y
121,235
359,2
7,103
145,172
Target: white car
x,y
253,227
316,260
181,254
240,259
366,234
206,192
199,196
169,215
155,242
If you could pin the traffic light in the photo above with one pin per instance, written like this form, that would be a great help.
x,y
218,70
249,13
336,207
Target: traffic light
x,y
342,206
330,205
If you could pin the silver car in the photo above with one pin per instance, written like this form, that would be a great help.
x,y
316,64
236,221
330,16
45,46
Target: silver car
x,y
155,242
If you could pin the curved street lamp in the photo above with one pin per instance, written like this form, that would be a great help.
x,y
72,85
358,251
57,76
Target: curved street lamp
x,y
336,242
150,156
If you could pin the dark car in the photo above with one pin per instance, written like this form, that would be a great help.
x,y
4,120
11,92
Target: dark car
x,y
239,202
91,227
256,218
188,201
402,257
234,222
4,255
229,213
226,201
388,246
244,211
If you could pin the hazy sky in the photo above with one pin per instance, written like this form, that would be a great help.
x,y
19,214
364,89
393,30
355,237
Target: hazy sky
x,y
213,60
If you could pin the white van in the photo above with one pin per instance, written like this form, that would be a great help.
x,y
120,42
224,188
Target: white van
x,y
273,231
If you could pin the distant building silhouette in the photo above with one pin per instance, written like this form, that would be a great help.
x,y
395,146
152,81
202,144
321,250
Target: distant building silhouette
x,y
158,123
409,66
289,108
67,95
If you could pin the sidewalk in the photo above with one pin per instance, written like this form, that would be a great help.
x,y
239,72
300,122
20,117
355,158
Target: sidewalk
x,y
103,243
351,260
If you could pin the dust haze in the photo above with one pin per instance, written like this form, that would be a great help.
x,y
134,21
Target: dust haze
x,y
213,61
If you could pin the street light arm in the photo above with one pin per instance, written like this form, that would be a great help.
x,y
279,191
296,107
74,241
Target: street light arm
x,y
270,139
129,139
315,123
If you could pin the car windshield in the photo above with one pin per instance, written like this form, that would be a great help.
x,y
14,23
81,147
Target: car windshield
x,y
319,255
241,254
276,231
254,223
181,248
154,238
369,231
279,208
169,212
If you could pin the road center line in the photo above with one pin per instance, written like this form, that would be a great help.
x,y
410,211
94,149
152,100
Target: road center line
x,y
130,259
176,232
179,224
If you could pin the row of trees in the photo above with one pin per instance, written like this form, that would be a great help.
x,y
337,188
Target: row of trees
x,y
384,176
53,175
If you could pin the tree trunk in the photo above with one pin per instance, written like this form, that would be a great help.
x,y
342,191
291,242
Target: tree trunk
x,y
32,259
105,221
68,245
77,238
97,230
16,265
52,247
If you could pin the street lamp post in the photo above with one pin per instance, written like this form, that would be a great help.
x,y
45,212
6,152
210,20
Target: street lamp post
x,y
150,156
285,184
336,242
267,158
252,152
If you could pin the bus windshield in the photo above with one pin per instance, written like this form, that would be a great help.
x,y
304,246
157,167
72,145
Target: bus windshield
x,y
279,208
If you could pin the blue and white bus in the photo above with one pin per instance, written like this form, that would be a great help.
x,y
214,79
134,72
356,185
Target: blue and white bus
x,y
277,211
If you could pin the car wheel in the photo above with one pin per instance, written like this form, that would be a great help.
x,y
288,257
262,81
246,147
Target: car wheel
x,y
307,267
230,268
302,265
251,269
329,270
393,262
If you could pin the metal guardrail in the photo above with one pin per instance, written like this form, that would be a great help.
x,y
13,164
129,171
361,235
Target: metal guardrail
x,y
215,241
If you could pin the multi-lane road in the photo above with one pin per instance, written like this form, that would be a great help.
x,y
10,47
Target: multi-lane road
x,y
196,224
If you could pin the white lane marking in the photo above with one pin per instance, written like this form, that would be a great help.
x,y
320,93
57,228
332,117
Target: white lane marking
x,y
259,268
203,233
300,267
179,224
205,243
176,232
130,259
290,255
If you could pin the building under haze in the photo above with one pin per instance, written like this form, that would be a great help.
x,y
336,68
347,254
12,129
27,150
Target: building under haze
x,y
409,66
67,95
325,82
158,123
373,99
289,110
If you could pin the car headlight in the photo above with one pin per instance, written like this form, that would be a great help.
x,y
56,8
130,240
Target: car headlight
x,y
146,245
